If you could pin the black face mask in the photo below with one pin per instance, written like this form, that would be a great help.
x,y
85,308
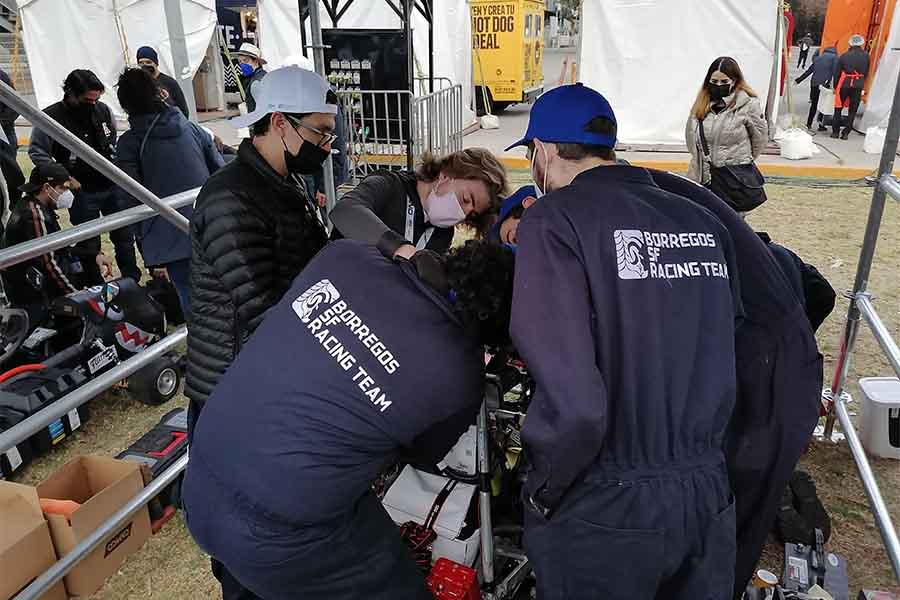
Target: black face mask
x,y
718,91
149,68
307,161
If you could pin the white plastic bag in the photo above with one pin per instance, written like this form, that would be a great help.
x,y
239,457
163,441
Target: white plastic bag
x,y
490,122
796,144
874,142
243,132
826,100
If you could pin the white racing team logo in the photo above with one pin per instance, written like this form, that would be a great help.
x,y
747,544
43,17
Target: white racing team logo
x,y
311,299
629,254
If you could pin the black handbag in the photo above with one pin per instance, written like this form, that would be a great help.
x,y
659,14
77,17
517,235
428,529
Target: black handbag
x,y
740,186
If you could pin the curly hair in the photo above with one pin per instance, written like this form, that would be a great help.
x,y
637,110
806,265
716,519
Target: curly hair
x,y
139,92
480,274
471,163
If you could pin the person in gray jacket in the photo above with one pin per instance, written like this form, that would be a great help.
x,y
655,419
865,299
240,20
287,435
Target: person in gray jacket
x,y
732,119
822,71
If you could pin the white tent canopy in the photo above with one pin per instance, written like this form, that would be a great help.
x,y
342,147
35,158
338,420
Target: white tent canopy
x,y
881,94
279,36
649,57
104,35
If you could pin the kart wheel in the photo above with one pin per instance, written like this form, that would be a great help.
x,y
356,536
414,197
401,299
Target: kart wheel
x,y
156,383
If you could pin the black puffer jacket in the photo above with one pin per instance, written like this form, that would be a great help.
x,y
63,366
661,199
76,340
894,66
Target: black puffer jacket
x,y
252,232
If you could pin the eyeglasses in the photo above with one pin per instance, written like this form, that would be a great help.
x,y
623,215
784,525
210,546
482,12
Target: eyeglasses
x,y
327,138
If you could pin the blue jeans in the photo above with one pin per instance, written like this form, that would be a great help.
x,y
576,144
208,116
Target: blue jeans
x,y
180,276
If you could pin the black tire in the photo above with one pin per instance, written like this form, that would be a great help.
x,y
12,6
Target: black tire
x,y
157,383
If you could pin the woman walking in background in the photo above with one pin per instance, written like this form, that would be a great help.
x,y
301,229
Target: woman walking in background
x,y
725,134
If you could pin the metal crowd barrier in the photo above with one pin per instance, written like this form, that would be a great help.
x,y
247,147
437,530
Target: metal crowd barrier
x,y
438,119
861,307
378,129
389,128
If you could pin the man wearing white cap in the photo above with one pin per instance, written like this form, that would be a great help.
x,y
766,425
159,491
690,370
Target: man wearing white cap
x,y
253,230
250,63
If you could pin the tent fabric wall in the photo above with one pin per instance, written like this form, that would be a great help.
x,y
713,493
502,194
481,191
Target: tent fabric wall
x,y
634,52
279,36
63,35
881,92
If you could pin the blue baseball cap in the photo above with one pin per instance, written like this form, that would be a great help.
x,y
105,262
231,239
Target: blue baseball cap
x,y
562,116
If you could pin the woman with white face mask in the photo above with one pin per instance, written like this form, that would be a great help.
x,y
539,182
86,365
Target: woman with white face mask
x,y
402,212
34,216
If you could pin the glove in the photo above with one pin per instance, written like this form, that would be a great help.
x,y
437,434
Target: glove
x,y
430,267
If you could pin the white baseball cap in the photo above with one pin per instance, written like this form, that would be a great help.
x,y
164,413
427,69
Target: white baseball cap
x,y
857,40
289,90
252,51
300,61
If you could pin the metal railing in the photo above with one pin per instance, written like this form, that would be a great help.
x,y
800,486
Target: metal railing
x,y
438,122
39,120
61,239
861,308
390,128
20,432
378,129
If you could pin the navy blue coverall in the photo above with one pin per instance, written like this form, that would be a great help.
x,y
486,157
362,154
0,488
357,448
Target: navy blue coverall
x,y
360,362
624,311
779,371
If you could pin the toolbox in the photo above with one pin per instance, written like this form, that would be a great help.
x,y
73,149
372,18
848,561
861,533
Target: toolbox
x,y
156,451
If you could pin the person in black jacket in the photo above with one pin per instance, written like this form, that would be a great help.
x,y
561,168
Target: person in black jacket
x,y
61,271
626,298
253,230
805,45
148,59
342,388
167,154
779,375
81,112
850,74
809,285
401,212
822,71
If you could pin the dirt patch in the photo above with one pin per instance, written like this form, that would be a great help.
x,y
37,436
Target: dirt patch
x,y
824,226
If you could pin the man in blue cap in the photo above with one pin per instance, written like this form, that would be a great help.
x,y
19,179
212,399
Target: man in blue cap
x,y
148,59
624,311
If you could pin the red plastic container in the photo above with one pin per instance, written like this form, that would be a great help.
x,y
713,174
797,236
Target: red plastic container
x,y
449,580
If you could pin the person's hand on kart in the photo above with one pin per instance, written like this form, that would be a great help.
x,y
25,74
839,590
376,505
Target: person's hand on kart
x,y
160,273
106,265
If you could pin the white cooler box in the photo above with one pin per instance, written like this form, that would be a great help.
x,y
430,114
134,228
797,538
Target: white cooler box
x,y
411,497
879,423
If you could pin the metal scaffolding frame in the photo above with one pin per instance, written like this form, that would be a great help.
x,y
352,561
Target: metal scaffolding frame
x,y
167,208
861,307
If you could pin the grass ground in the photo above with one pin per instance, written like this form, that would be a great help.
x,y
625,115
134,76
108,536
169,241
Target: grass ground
x,y
824,226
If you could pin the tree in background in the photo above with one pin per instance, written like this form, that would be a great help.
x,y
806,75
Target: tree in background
x,y
809,17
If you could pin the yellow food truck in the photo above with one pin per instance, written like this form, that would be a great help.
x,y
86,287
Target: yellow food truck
x,y
507,51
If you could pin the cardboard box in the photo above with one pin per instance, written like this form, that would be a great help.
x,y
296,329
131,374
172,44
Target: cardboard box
x,y
26,549
102,486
